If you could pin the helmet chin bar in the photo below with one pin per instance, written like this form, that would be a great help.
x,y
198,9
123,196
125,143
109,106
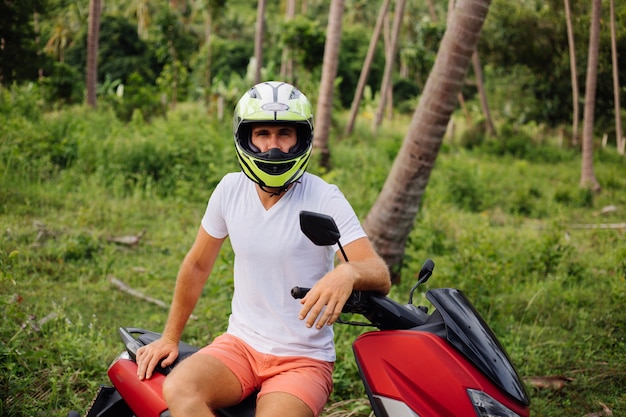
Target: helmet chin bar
x,y
273,192
274,154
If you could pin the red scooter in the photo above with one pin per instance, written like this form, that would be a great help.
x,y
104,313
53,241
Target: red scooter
x,y
448,363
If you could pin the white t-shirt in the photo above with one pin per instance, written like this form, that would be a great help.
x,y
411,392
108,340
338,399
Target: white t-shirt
x,y
272,255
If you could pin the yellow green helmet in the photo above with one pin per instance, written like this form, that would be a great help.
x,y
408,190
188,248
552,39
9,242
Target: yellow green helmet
x,y
280,103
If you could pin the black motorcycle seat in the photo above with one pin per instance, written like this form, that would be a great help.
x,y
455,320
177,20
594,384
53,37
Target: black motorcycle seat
x,y
184,350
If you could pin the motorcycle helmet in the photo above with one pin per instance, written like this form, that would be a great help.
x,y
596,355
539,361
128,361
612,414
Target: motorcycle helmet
x,y
273,103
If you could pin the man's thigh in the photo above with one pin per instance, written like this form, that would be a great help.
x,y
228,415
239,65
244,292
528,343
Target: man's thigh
x,y
204,376
306,380
282,404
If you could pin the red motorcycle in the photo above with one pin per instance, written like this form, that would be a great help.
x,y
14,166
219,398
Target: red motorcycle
x,y
447,363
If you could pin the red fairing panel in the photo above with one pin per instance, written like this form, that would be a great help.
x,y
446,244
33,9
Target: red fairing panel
x,y
143,397
422,370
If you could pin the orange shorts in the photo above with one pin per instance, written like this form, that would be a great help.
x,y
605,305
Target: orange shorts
x,y
308,379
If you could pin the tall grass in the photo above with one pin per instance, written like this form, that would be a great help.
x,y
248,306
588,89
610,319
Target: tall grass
x,y
502,223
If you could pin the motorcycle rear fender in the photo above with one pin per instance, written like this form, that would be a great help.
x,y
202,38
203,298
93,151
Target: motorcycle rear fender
x,y
144,397
421,370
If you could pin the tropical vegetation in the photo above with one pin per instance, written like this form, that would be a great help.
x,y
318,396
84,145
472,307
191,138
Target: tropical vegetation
x,y
91,198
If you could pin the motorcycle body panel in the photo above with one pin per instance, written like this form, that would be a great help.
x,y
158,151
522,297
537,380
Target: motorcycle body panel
x,y
144,397
420,370
468,333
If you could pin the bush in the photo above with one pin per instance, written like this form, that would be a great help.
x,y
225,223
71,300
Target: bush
x,y
20,101
464,187
574,197
64,86
474,136
137,95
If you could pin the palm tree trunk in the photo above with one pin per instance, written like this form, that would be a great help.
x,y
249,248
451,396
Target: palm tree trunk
x,y
588,178
208,31
327,84
482,94
616,89
369,58
574,72
92,51
389,62
258,40
390,220
286,61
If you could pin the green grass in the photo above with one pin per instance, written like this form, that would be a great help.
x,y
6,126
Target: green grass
x,y
501,224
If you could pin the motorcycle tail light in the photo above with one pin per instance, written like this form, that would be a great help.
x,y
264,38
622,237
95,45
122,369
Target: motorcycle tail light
x,y
487,406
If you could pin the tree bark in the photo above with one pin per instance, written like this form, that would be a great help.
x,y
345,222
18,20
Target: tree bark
x,y
574,72
258,40
616,88
369,58
208,31
92,51
390,220
389,62
327,84
482,94
588,178
286,62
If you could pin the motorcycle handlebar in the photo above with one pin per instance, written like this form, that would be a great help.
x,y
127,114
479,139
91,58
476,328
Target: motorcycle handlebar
x,y
357,303
299,292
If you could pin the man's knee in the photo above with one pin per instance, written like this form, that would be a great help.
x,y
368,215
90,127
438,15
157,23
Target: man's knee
x,y
202,380
172,388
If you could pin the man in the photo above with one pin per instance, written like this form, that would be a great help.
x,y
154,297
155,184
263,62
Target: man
x,y
281,347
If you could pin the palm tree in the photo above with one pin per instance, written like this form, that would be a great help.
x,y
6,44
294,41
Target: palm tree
x,y
369,58
572,64
286,62
327,84
482,94
58,41
211,10
140,9
386,86
618,119
390,220
588,178
92,50
258,40
64,30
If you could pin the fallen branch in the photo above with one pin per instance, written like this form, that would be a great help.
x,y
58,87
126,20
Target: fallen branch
x,y
599,226
554,382
606,412
135,293
132,240
36,325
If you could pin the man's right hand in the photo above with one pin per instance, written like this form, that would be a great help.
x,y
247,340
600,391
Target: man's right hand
x,y
162,350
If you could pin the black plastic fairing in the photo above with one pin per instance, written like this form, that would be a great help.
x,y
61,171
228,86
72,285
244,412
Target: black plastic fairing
x,y
470,335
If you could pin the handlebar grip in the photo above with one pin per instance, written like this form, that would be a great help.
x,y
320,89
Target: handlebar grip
x,y
298,292
357,303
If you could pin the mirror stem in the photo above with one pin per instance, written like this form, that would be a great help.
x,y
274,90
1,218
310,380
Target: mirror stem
x,y
343,253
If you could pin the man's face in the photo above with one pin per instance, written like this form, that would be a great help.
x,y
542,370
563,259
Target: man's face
x,y
266,137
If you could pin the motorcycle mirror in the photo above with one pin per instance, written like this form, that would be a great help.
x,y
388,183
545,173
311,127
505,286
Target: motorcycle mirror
x,y
321,229
425,273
